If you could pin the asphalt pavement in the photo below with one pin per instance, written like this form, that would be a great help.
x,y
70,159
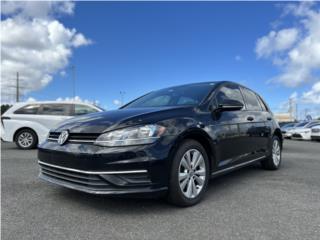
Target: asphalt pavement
x,y
250,203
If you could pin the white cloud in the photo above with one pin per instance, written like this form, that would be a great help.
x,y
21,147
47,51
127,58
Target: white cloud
x,y
276,42
36,9
294,95
296,50
31,99
313,95
35,44
117,102
77,99
238,58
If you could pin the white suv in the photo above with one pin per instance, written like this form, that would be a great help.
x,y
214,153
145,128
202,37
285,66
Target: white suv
x,y
315,133
304,133
28,124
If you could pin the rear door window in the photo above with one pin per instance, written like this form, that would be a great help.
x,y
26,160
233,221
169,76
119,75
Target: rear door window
x,y
28,109
251,100
55,109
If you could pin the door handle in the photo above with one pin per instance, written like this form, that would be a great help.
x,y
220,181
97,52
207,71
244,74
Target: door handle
x,y
269,118
250,118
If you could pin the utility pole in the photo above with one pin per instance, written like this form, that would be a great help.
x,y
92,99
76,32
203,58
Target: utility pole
x,y
17,88
291,108
122,93
73,69
305,113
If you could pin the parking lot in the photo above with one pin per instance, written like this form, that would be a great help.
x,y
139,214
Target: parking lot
x,y
247,204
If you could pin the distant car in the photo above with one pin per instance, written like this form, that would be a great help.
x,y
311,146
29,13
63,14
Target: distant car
x,y
287,133
315,133
28,123
286,127
304,133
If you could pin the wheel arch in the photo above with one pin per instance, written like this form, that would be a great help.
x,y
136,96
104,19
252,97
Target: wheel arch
x,y
25,128
200,136
277,132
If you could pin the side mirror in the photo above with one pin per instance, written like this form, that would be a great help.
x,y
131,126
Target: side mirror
x,y
229,105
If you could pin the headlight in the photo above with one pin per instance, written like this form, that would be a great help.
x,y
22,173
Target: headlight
x,y
131,136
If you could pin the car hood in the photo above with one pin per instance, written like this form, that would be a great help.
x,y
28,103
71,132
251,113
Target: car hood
x,y
114,119
301,130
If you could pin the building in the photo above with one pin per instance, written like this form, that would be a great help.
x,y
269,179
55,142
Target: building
x,y
284,117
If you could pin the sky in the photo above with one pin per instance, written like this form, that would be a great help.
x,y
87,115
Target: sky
x,y
133,48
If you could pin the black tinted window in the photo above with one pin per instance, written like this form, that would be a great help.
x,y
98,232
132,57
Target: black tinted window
x,y
80,109
251,99
55,109
229,93
28,109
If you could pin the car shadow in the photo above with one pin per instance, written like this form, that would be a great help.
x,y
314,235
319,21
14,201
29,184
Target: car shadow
x,y
139,205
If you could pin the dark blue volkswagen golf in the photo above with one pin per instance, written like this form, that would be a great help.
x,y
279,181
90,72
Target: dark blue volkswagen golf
x,y
168,142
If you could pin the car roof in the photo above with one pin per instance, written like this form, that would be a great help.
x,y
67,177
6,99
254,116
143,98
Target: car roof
x,y
51,102
22,104
214,84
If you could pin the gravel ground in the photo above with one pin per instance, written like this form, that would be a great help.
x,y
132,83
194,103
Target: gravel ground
x,y
250,203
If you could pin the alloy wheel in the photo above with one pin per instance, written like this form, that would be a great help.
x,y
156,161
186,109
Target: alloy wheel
x,y
192,173
25,139
276,152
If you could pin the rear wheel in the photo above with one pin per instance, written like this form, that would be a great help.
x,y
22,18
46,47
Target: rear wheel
x,y
273,161
189,174
26,139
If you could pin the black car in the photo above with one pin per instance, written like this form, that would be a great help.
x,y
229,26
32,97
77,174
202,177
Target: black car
x,y
168,142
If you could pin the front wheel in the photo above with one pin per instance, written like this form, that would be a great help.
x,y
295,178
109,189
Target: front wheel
x,y
273,161
189,174
26,139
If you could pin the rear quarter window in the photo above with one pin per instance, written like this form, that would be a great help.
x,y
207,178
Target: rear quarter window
x,y
28,109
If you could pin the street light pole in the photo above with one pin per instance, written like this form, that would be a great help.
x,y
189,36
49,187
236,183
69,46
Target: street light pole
x,y
73,69
17,88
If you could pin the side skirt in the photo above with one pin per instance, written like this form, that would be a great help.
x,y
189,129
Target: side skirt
x,y
235,167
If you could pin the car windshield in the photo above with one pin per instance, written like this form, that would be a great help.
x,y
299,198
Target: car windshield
x,y
288,125
311,124
302,124
191,94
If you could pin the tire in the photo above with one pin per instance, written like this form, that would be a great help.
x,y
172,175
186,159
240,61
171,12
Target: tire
x,y
194,179
273,161
26,139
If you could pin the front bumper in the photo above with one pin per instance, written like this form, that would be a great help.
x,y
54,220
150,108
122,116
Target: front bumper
x,y
105,170
315,137
287,135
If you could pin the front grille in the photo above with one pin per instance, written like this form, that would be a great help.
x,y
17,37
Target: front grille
x,y
91,181
296,135
75,137
94,181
